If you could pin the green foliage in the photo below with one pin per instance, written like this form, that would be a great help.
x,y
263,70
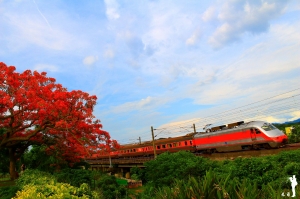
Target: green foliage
x,y
110,188
39,184
8,192
74,177
134,177
258,170
34,177
180,165
213,186
294,137
263,170
4,163
137,173
37,158
81,165
56,190
266,173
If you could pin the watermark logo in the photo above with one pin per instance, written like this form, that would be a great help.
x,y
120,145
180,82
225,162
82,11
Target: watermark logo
x,y
293,184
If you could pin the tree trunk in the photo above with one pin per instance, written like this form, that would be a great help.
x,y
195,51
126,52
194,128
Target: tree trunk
x,y
12,164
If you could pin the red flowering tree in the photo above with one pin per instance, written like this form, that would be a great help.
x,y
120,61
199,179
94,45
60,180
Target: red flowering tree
x,y
36,110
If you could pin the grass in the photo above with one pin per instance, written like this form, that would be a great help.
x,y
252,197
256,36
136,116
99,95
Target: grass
x,y
5,180
7,183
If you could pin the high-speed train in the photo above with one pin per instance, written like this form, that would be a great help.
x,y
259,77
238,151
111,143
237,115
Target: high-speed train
x,y
231,137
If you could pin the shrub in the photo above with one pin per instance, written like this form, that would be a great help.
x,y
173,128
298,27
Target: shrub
x,y
169,166
34,177
74,177
39,184
56,190
8,192
110,188
214,187
137,173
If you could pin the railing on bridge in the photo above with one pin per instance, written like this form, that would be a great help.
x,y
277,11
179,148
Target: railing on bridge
x,y
120,160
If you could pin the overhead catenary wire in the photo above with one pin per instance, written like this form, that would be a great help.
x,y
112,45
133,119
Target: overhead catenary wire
x,y
218,115
262,109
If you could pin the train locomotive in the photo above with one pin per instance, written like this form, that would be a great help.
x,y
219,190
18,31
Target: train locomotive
x,y
231,137
240,136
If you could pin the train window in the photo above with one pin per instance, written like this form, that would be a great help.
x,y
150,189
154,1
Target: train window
x,y
163,146
257,131
268,127
191,143
134,150
158,147
185,143
170,145
174,144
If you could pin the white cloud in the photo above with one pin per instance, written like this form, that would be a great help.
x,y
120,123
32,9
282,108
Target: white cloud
x,y
112,12
136,105
217,92
89,60
182,127
27,29
295,115
168,27
46,67
147,103
209,14
181,123
237,17
193,39
109,53
272,119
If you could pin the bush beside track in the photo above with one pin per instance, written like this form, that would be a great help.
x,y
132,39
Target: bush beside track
x,y
264,174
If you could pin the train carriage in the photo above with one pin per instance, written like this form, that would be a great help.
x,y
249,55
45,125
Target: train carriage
x,y
161,145
231,137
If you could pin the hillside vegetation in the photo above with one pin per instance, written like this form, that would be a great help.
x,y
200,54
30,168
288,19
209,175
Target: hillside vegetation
x,y
196,177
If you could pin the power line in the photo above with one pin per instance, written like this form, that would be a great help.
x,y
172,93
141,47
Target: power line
x,y
262,109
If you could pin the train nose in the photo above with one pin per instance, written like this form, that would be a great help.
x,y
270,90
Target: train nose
x,y
282,139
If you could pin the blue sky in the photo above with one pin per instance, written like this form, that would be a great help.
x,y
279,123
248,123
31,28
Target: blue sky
x,y
165,64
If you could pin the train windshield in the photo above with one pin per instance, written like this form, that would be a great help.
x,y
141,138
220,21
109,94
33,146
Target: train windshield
x,y
268,127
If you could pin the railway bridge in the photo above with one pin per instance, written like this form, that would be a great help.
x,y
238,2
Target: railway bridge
x,y
118,166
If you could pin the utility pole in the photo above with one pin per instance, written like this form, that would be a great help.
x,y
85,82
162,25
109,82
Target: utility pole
x,y
154,149
140,140
194,128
